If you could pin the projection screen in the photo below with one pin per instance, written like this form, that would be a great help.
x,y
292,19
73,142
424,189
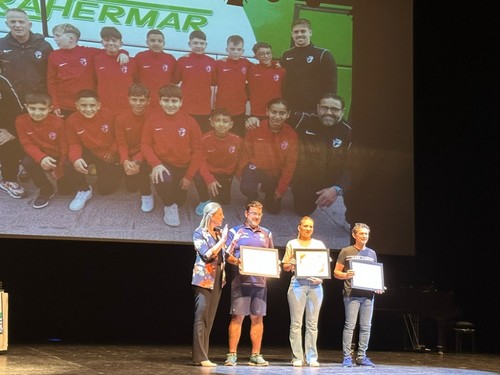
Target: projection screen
x,y
371,42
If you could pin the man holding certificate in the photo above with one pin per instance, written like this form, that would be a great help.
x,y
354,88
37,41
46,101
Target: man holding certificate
x,y
248,293
356,301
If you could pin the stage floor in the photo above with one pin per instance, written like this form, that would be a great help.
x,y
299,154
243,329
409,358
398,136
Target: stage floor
x,y
69,359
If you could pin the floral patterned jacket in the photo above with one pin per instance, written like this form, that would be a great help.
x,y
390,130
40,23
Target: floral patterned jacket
x,y
204,269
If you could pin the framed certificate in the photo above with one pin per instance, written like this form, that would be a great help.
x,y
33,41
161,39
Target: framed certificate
x,y
259,261
367,275
312,263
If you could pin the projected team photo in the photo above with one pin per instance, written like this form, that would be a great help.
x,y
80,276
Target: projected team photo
x,y
123,120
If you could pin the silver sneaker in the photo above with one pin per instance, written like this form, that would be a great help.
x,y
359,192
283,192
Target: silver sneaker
x,y
148,203
171,217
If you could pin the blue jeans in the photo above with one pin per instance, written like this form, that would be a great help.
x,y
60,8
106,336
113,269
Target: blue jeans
x,y
302,296
353,306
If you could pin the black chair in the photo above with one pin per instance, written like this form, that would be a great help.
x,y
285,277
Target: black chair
x,y
463,329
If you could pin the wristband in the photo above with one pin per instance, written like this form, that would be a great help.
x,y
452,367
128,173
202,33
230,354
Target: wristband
x,y
339,190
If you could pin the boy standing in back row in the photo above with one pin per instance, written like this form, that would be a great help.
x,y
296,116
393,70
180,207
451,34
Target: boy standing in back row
x,y
231,80
113,78
196,73
265,80
155,67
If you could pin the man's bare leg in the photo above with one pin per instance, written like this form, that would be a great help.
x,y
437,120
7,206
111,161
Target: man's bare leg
x,y
256,332
234,332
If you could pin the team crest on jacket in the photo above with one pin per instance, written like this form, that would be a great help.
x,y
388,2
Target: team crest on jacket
x,y
38,54
164,67
182,132
276,77
208,68
83,61
232,149
309,59
284,145
336,142
244,70
124,69
105,128
52,136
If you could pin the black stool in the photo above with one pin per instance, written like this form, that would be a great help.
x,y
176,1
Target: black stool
x,y
463,328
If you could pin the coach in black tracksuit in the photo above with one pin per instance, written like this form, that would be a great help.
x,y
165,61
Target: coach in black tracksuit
x,y
23,55
322,172
311,71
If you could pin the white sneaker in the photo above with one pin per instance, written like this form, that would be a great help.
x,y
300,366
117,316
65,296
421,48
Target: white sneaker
x,y
171,216
148,203
80,199
297,363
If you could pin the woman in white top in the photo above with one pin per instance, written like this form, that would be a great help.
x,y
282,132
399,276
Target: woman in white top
x,y
304,294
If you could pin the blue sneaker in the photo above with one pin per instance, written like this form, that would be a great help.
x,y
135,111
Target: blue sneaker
x,y
257,360
364,361
231,360
347,362
201,207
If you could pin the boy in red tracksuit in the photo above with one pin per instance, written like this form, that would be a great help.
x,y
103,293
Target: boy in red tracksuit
x,y
91,140
43,139
171,144
269,157
221,152
128,131
265,80
196,73
71,68
155,67
231,79
113,79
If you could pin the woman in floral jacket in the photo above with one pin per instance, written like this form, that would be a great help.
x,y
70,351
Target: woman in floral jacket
x,y
208,278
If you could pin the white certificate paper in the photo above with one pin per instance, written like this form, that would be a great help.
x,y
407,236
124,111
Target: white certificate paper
x,y
259,261
367,275
312,263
